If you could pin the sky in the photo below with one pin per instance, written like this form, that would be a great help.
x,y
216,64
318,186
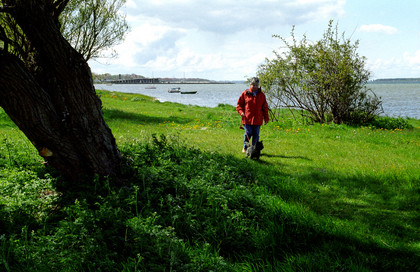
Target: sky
x,y
230,39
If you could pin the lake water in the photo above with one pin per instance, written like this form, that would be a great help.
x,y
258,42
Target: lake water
x,y
398,99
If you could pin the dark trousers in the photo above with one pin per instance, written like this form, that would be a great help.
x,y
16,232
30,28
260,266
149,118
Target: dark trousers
x,y
253,132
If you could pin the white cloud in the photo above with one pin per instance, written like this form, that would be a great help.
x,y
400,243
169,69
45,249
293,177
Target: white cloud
x,y
407,65
309,10
378,28
130,4
223,16
414,59
228,39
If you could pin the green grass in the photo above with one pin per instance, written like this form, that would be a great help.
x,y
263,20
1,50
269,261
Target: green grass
x,y
322,197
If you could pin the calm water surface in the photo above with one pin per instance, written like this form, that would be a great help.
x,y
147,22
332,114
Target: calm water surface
x,y
398,99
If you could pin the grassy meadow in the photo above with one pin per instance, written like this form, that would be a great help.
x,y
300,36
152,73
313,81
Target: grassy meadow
x,y
321,198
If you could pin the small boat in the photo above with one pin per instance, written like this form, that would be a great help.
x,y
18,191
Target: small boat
x,y
174,90
189,92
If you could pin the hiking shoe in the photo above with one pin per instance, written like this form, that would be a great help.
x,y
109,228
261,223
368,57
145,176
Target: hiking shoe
x,y
244,150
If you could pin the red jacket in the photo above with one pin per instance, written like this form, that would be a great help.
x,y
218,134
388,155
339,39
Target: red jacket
x,y
254,107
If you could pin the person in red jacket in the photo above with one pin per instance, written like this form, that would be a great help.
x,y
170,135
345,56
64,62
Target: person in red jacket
x,y
252,106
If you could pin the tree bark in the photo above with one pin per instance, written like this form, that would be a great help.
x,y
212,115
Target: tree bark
x,y
53,99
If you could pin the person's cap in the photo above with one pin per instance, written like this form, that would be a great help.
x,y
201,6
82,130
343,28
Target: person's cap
x,y
255,81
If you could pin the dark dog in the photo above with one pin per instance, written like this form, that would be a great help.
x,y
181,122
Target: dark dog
x,y
254,151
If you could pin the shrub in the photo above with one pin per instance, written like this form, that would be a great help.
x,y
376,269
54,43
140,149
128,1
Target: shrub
x,y
324,78
391,123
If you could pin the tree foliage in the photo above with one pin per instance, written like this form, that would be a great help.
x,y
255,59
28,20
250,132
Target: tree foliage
x,y
93,26
326,79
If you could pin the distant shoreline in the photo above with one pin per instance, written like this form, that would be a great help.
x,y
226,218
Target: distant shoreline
x,y
376,81
168,83
395,80
160,81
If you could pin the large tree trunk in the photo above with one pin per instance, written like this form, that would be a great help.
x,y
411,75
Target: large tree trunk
x,y
53,100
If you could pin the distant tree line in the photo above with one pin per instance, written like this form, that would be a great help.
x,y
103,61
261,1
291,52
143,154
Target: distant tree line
x,y
396,80
98,78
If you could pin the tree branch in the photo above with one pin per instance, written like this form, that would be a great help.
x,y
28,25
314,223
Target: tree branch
x,y
4,38
60,5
